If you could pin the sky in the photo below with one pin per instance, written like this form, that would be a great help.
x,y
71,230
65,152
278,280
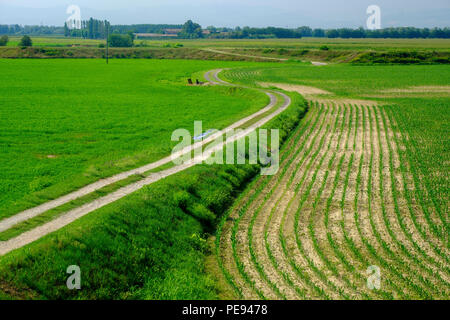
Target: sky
x,y
232,13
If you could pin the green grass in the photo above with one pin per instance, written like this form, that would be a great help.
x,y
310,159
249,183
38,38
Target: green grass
x,y
66,123
4,296
429,51
426,123
143,246
53,213
149,245
304,43
55,41
403,57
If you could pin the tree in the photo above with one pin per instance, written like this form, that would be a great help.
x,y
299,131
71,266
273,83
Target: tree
x,y
4,41
25,42
91,28
132,34
95,28
212,29
120,41
191,30
333,33
66,30
246,32
319,33
305,31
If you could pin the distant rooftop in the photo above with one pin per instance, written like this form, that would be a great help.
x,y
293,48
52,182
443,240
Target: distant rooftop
x,y
153,35
172,31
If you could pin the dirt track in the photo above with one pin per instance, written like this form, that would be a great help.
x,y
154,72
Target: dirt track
x,y
244,55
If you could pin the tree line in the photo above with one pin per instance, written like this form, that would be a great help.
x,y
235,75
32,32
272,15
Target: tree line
x,y
18,30
96,29
90,29
24,42
271,32
143,28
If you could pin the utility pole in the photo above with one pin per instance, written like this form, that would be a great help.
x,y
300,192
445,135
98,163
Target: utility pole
x,y
107,41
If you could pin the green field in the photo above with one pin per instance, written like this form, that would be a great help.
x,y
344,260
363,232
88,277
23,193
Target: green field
x,y
66,123
363,179
351,81
365,185
155,239
56,41
362,51
305,43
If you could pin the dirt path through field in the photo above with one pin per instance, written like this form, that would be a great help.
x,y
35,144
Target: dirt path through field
x,y
68,217
244,55
314,63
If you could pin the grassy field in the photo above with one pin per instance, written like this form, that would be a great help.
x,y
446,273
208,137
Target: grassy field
x,y
362,51
56,41
364,183
304,43
66,123
316,43
363,179
353,81
150,245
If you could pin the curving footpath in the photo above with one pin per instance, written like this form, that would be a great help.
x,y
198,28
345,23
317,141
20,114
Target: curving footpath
x,y
72,215
244,55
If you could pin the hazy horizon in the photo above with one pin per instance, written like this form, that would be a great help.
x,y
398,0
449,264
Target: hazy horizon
x,y
232,13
